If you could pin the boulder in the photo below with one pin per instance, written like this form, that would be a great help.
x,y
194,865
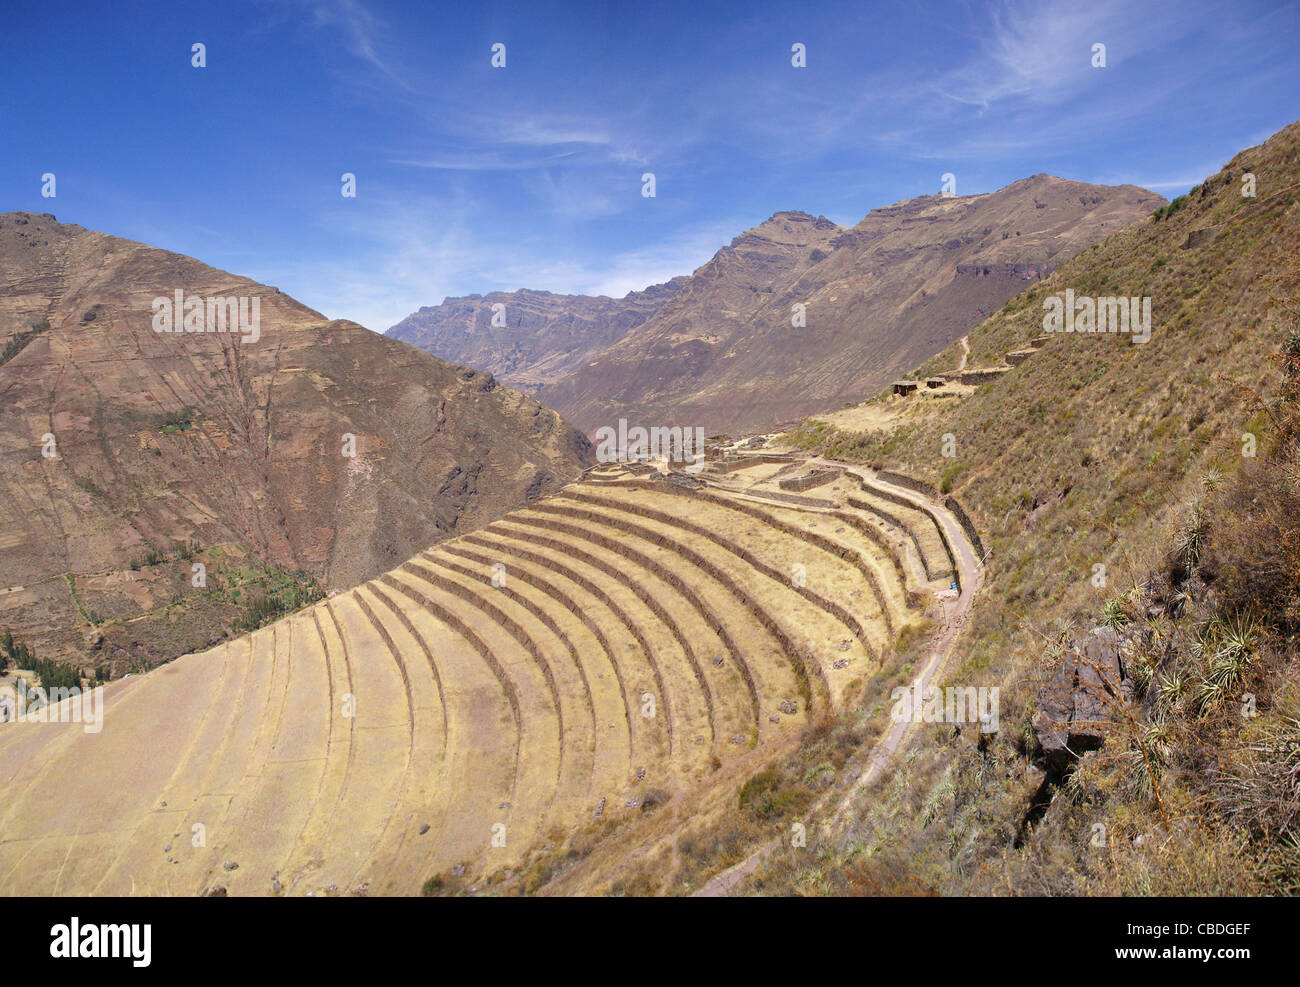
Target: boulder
x,y
1076,708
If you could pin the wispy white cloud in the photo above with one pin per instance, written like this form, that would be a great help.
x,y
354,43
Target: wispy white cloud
x,y
656,263
525,179
484,160
409,252
363,35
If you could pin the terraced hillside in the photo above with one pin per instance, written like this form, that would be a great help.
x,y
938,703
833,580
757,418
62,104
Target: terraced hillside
x,y
1117,485
578,662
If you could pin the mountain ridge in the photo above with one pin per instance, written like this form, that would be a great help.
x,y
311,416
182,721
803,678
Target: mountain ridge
x,y
724,350
127,455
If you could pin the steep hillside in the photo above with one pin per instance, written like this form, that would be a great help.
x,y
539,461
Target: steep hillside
x,y
574,670
544,336
907,280
1138,503
300,459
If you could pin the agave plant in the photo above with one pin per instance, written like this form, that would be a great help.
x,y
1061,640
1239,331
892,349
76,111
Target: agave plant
x,y
1191,537
1138,772
1157,738
1171,688
1235,651
1238,639
1075,788
1142,673
1209,694
1113,613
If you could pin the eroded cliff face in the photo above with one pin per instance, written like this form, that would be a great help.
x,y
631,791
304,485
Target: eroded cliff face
x,y
540,337
728,350
311,446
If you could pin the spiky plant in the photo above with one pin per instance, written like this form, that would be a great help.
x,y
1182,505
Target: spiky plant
x,y
1113,613
1142,673
1076,787
1171,688
1157,737
1136,772
1236,648
1191,537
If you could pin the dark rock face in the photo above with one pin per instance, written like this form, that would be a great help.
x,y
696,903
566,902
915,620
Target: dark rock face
x,y
544,336
1076,709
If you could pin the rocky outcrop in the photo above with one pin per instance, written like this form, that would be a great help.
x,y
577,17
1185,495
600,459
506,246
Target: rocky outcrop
x,y
1076,709
1020,272
538,338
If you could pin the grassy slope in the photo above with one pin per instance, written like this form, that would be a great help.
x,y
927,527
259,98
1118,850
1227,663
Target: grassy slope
x,y
1109,441
1087,454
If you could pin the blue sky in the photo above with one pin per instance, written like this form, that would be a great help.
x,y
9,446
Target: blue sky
x,y
472,178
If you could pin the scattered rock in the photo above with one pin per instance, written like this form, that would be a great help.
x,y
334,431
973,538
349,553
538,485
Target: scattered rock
x,y
640,774
845,645
717,661
167,848
424,828
841,663
738,738
789,707
276,886
600,807
774,718
632,803
230,865
459,869
216,891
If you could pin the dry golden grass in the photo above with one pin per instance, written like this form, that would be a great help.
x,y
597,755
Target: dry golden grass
x,y
1093,452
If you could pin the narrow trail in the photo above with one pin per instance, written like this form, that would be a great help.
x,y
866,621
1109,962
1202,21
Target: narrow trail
x,y
970,576
965,352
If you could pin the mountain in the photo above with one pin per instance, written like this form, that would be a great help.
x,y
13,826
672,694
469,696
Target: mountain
x,y
1139,504
129,455
878,298
544,336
